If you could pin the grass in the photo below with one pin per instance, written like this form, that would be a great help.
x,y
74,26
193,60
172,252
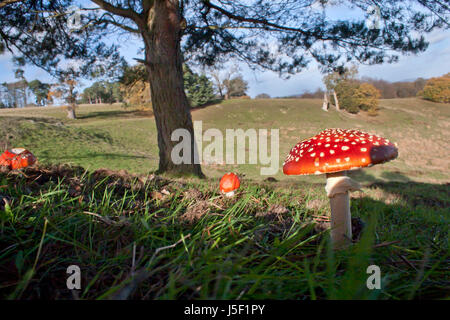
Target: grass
x,y
267,242
140,236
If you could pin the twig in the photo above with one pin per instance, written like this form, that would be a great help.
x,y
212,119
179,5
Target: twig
x,y
385,244
107,220
168,247
406,261
133,260
217,206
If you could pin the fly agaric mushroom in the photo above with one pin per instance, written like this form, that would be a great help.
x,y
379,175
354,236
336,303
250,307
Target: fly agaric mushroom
x,y
17,158
333,152
229,183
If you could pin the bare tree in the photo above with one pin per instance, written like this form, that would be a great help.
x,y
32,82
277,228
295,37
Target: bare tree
x,y
221,78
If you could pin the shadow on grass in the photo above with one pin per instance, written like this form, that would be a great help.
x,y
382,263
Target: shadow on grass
x,y
115,114
416,258
412,192
418,193
110,156
46,120
206,105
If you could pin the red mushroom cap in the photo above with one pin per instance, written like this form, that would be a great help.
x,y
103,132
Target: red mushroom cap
x,y
334,150
229,182
17,158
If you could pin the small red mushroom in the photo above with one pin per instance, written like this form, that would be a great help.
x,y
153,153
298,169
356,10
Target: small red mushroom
x,y
333,152
229,183
17,158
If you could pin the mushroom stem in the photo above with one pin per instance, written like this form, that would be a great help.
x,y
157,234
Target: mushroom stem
x,y
338,187
229,194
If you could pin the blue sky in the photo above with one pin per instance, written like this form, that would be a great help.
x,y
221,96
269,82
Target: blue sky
x,y
431,63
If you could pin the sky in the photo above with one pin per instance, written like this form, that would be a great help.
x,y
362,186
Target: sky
x,y
435,61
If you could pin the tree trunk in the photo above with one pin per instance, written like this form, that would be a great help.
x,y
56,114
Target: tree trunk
x,y
325,102
164,63
71,112
72,101
336,101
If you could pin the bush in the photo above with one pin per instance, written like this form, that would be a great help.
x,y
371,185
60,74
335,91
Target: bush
x,y
354,97
262,96
367,97
345,91
437,89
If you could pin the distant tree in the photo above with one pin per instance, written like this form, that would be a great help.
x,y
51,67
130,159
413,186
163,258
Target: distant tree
x,y
437,89
235,87
21,87
367,97
115,92
88,95
262,96
419,84
221,76
3,96
40,91
387,89
355,96
10,94
66,89
335,79
399,89
318,94
199,89
345,92
102,92
135,87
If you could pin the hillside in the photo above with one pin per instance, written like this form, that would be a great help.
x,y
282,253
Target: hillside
x,y
143,236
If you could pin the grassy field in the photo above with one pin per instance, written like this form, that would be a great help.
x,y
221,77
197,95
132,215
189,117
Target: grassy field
x,y
108,136
137,235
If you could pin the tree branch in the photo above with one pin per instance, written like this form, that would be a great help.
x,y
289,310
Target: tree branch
x,y
146,6
126,13
113,22
263,22
6,2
